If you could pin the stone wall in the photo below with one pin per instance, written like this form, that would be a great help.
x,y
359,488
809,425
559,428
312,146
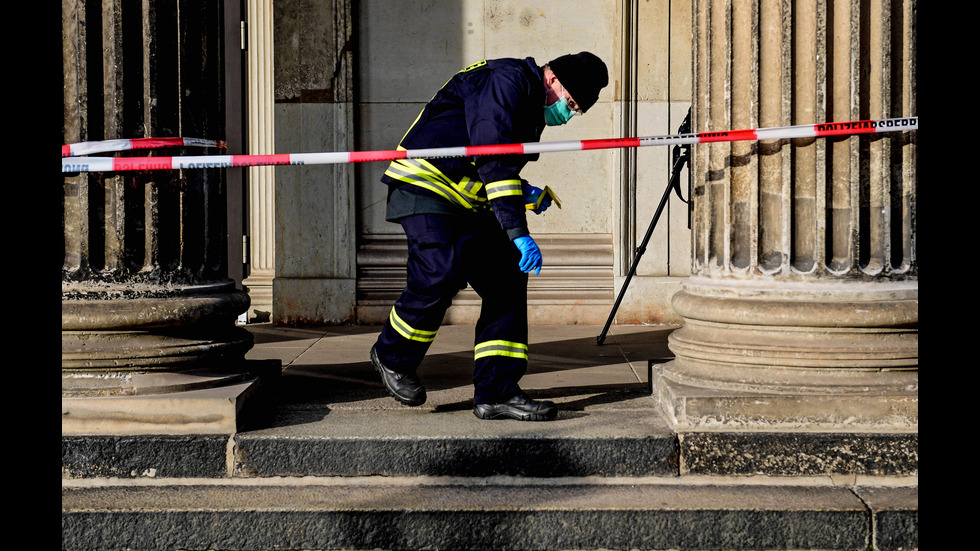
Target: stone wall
x,y
397,55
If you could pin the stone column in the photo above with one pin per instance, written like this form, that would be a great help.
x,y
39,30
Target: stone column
x,y
148,310
802,308
261,179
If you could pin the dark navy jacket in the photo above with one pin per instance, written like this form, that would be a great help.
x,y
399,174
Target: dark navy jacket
x,y
496,101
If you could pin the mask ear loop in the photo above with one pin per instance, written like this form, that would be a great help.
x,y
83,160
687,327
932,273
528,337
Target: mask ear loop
x,y
576,111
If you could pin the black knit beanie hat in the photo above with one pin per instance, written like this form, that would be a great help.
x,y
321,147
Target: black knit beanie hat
x,y
583,75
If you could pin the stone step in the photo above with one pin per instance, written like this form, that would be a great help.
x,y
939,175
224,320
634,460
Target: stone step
x,y
487,513
369,474
415,442
407,442
625,440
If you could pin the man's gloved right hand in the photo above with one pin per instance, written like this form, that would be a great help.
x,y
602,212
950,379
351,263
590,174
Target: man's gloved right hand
x,y
531,196
530,254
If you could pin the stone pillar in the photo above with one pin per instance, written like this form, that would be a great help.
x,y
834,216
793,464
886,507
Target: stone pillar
x,y
802,308
315,237
261,179
148,310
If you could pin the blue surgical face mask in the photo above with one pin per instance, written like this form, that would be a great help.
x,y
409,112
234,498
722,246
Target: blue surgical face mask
x,y
558,113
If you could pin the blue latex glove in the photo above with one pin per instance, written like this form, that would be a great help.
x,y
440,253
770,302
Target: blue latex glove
x,y
530,254
531,194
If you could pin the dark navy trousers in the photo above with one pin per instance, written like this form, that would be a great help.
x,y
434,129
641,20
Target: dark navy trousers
x,y
444,254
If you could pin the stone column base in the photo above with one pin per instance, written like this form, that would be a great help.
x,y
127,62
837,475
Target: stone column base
x,y
156,360
123,329
700,408
259,287
200,401
784,357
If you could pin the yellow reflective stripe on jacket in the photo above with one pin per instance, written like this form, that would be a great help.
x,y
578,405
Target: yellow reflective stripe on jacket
x,y
476,65
504,188
412,172
501,348
419,172
466,187
408,331
471,188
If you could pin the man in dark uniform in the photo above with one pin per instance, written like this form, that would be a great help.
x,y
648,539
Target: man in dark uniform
x,y
465,219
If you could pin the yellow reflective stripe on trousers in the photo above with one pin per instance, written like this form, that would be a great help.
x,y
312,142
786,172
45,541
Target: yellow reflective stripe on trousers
x,y
504,188
408,331
501,348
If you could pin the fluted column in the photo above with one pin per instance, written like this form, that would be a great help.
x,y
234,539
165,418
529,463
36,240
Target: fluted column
x,y
802,307
261,140
147,305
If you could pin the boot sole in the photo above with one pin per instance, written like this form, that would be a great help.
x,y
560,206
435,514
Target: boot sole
x,y
495,412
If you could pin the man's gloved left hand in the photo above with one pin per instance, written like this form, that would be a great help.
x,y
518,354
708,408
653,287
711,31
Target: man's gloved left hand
x,y
530,254
531,195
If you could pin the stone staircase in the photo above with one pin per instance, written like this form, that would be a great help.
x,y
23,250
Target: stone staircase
x,y
329,462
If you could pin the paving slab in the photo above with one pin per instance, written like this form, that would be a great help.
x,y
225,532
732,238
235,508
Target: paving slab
x,y
330,364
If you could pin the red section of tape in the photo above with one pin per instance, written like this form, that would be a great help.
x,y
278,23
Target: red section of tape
x,y
142,163
368,156
845,128
145,143
727,136
121,144
605,144
260,160
502,149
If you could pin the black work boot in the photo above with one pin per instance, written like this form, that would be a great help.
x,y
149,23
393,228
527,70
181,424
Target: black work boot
x,y
406,388
519,407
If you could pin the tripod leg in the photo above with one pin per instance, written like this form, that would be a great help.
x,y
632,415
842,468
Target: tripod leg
x,y
678,165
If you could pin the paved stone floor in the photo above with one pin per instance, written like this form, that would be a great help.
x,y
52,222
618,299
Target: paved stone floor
x,y
566,363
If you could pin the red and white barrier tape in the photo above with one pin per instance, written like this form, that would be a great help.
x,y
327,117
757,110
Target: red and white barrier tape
x,y
107,164
103,146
